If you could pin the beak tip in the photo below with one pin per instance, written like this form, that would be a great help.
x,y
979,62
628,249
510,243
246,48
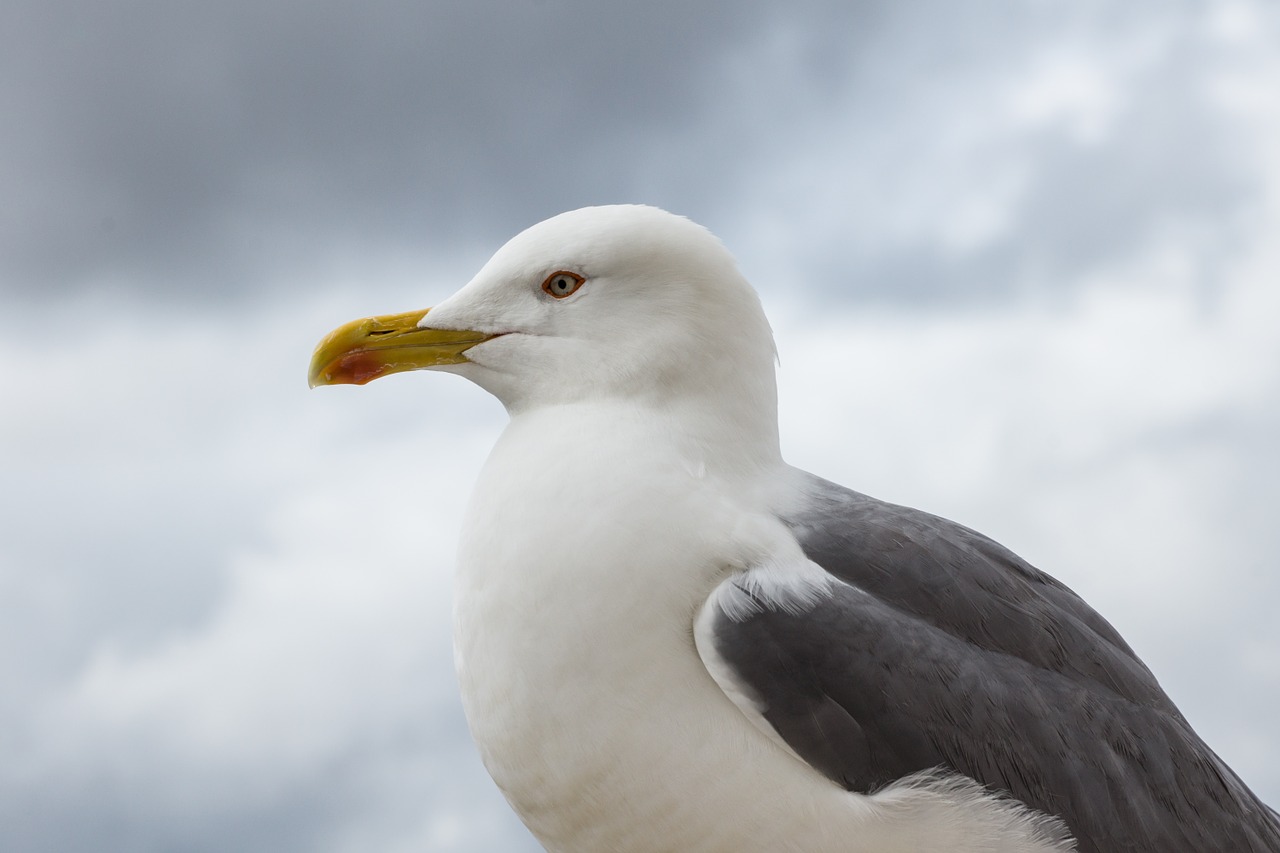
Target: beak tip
x,y
363,350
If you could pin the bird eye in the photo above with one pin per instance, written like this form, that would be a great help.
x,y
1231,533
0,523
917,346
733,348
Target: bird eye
x,y
563,283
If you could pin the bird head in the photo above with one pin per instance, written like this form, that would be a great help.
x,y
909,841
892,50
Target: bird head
x,y
616,302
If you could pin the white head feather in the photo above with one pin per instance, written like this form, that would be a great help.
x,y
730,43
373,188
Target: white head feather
x,y
663,317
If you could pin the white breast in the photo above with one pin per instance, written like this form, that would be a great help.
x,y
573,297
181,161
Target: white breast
x,y
587,553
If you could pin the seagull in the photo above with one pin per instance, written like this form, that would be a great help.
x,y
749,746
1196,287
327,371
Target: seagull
x,y
668,639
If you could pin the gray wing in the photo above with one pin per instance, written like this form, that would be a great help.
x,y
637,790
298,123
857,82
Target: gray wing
x,y
938,648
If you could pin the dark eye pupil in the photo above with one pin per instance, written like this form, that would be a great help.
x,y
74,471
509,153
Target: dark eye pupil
x,y
561,284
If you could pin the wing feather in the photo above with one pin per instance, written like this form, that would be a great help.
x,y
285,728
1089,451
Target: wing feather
x,y
936,648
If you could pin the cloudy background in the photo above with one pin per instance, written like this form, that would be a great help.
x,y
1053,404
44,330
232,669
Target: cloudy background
x,y
1022,258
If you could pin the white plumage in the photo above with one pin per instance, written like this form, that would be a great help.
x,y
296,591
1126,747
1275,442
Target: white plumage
x,y
640,470
669,640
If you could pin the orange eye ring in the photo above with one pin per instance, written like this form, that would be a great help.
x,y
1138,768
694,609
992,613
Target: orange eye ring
x,y
562,283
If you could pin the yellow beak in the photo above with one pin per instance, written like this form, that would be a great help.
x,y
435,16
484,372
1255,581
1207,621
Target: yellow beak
x,y
363,350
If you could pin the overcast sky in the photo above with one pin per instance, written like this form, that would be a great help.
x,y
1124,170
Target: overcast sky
x,y
1021,259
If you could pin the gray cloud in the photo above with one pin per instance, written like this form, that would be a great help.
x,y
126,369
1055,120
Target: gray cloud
x,y
203,153
185,149
1080,135
201,650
